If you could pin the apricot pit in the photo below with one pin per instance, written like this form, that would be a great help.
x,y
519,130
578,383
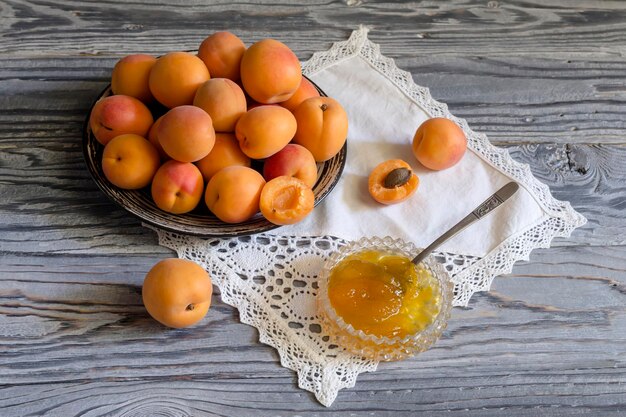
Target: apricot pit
x,y
392,182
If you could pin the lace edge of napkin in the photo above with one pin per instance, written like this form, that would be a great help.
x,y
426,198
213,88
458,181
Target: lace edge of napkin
x,y
324,380
561,219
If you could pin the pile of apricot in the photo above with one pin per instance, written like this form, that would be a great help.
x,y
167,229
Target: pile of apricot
x,y
190,126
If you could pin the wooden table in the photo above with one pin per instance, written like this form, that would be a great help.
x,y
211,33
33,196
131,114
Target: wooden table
x,y
544,80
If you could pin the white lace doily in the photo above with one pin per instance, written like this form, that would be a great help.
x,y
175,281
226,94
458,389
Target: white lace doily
x,y
271,279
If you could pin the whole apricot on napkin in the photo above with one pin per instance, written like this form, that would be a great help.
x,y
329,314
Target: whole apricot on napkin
x,y
439,143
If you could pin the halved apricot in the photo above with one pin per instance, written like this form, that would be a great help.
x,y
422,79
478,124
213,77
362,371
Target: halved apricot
x,y
392,182
286,200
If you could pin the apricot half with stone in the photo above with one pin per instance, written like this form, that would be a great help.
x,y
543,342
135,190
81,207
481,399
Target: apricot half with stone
x,y
392,182
286,200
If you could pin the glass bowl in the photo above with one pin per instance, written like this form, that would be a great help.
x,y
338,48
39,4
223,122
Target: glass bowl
x,y
383,348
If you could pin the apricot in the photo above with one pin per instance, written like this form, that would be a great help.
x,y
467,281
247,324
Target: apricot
x,y
130,76
177,292
222,53
177,187
223,100
116,115
286,200
270,71
233,193
265,130
175,77
306,90
439,143
225,153
130,161
392,182
154,139
186,133
322,127
292,161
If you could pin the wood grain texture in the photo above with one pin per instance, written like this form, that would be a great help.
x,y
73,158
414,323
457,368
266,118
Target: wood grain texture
x,y
533,344
544,78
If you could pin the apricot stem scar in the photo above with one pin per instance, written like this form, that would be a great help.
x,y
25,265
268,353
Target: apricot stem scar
x,y
324,106
190,307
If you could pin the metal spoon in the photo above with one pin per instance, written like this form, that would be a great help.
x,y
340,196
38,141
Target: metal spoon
x,y
478,213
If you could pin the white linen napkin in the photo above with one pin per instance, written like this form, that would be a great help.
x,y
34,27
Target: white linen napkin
x,y
382,122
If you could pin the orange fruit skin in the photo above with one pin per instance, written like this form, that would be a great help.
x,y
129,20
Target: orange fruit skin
x,y
130,161
265,130
154,139
177,187
383,195
177,292
130,76
306,90
322,127
116,115
286,200
175,78
233,193
270,71
439,143
225,153
222,53
294,161
224,101
186,133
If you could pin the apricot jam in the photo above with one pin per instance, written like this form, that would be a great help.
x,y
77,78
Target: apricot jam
x,y
383,294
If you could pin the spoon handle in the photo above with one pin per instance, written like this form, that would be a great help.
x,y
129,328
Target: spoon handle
x,y
478,213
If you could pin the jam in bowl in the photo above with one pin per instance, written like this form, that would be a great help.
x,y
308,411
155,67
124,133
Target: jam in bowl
x,y
374,302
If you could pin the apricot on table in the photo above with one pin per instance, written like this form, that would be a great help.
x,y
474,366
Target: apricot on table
x,y
270,71
225,153
306,90
439,143
130,76
177,292
130,161
392,182
293,161
265,130
116,115
177,187
175,77
222,53
286,200
322,127
186,133
233,193
223,100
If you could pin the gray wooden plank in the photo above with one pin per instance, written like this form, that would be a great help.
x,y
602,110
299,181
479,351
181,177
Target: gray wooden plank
x,y
543,78
534,343
532,28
